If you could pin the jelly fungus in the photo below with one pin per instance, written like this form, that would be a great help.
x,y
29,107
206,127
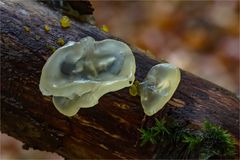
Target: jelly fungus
x,y
79,73
158,87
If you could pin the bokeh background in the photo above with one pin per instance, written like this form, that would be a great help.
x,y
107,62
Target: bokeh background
x,y
201,37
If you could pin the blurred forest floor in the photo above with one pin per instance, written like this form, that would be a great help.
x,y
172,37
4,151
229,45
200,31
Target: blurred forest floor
x,y
201,37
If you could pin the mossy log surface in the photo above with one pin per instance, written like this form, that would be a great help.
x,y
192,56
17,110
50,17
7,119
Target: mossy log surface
x,y
108,130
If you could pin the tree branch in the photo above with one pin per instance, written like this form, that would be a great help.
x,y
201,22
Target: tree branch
x,y
108,130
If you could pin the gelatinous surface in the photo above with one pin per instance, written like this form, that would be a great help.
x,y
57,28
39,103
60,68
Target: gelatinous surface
x,y
79,73
158,87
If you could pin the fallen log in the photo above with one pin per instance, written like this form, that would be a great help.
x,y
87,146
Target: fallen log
x,y
108,130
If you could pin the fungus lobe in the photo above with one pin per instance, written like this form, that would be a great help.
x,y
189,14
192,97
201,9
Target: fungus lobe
x,y
79,73
158,87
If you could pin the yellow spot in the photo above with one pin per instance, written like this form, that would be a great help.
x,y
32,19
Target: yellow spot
x,y
26,28
37,37
104,28
65,22
60,41
46,28
133,90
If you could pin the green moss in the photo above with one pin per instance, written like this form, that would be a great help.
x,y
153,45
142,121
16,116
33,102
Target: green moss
x,y
216,142
210,141
160,128
148,135
154,134
176,132
192,141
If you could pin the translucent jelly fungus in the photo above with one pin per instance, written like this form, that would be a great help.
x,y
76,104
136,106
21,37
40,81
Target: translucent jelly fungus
x,y
158,87
79,73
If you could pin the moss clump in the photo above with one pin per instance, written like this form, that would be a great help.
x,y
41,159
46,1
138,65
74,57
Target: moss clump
x,y
153,134
160,127
192,141
210,141
216,142
148,136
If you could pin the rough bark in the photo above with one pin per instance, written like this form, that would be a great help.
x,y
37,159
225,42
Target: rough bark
x,y
109,130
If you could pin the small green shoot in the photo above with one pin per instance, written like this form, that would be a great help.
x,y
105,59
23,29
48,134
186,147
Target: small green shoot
x,y
159,127
153,134
147,136
192,141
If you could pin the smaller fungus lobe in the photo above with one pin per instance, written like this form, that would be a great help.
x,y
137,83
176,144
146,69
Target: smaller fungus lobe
x,y
158,87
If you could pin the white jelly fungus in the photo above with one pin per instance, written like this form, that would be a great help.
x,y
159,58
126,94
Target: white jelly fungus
x,y
158,87
79,73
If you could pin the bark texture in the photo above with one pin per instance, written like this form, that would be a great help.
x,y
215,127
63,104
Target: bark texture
x,y
109,130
